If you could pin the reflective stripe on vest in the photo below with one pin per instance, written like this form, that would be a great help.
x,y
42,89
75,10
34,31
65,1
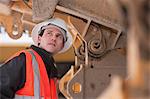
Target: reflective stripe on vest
x,y
37,85
36,81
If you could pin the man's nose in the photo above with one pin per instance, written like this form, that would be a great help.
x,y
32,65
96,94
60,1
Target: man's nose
x,y
54,37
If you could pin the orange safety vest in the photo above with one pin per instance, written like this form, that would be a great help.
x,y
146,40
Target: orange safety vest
x,y
47,86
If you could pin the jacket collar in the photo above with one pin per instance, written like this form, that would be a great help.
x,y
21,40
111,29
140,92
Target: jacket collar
x,y
48,60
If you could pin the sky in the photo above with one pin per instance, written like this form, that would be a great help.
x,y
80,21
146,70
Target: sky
x,y
6,40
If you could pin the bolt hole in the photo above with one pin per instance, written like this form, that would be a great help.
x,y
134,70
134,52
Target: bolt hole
x,y
92,66
109,75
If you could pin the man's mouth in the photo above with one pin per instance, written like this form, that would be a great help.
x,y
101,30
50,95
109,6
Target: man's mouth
x,y
51,44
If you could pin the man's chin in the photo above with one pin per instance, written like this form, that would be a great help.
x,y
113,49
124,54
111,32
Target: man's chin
x,y
52,51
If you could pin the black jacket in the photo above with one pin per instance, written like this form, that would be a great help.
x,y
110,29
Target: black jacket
x,y
13,73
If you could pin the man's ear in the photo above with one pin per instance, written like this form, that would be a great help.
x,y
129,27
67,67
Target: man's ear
x,y
63,45
39,38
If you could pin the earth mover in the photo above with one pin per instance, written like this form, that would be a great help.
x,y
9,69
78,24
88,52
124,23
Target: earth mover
x,y
102,53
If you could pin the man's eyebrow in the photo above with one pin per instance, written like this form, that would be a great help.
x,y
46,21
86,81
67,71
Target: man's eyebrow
x,y
59,33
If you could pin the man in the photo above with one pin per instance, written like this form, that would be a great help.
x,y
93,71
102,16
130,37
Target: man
x,y
32,73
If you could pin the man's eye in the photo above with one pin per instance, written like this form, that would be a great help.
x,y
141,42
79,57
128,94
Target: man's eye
x,y
59,36
50,33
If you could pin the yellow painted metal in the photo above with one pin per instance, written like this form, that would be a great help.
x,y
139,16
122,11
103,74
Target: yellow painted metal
x,y
76,87
7,51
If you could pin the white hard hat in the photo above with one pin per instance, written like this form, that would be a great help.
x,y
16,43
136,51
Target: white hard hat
x,y
57,22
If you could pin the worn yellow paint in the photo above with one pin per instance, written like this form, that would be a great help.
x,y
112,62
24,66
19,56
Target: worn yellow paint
x,y
8,51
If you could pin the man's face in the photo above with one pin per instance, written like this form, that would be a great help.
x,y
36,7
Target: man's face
x,y
51,40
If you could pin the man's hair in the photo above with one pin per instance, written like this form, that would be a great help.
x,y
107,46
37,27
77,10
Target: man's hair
x,y
41,32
